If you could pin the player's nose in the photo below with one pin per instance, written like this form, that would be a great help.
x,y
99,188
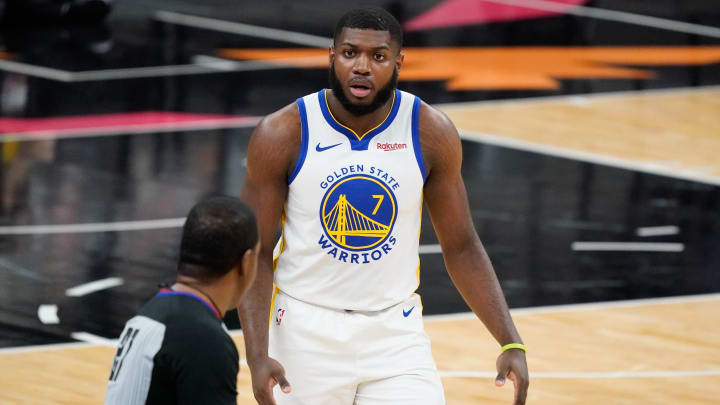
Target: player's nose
x,y
361,65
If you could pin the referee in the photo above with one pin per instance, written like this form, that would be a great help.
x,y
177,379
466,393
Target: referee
x,y
176,349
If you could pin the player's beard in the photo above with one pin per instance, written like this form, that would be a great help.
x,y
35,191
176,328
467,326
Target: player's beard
x,y
357,110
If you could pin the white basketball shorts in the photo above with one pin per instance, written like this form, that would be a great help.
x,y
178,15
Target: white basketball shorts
x,y
336,357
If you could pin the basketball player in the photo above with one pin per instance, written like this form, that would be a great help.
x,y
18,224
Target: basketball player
x,y
344,172
176,350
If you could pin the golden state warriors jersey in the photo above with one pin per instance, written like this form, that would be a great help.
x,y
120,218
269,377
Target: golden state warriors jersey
x,y
351,223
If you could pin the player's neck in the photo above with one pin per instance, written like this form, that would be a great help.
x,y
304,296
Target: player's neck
x,y
215,295
362,123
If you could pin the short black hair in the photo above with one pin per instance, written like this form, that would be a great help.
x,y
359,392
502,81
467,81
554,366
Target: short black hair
x,y
217,233
370,18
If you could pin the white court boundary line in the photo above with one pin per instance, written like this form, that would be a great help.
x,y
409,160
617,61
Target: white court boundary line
x,y
649,231
47,314
627,247
554,309
582,98
94,340
232,27
36,71
581,156
577,155
617,16
93,227
576,375
91,340
432,318
94,286
429,249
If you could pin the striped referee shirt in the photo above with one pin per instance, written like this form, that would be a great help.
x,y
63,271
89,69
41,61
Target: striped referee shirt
x,y
175,351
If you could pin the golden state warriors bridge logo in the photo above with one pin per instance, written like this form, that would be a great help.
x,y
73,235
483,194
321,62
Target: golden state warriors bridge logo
x,y
357,215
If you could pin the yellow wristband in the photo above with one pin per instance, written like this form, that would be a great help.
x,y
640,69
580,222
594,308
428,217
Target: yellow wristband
x,y
514,346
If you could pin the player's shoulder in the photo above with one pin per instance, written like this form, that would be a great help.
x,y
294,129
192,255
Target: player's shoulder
x,y
439,139
275,142
282,124
434,123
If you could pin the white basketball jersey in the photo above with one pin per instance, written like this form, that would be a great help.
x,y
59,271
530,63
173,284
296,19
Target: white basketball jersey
x,y
351,223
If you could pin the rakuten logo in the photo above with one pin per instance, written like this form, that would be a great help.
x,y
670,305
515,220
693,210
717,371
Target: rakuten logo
x,y
388,147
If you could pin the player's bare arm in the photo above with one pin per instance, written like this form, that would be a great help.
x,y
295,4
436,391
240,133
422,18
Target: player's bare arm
x,y
272,153
465,258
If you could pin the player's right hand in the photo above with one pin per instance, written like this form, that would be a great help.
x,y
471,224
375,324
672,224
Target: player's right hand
x,y
266,374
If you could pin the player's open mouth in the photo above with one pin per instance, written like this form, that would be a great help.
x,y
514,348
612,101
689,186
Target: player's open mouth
x,y
359,90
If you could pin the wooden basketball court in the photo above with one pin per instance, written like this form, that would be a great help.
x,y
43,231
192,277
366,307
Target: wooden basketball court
x,y
664,351
580,125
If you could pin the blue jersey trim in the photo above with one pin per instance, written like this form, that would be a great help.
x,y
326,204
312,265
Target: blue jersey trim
x,y
304,139
187,294
359,142
416,136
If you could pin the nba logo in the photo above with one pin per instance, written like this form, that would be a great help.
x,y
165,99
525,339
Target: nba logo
x,y
279,316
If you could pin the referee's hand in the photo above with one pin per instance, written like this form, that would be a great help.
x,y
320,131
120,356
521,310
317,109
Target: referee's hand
x,y
512,365
265,374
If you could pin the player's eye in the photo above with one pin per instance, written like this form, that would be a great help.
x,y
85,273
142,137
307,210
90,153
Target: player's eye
x,y
379,57
349,53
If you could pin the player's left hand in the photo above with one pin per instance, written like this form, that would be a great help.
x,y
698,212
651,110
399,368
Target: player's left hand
x,y
512,364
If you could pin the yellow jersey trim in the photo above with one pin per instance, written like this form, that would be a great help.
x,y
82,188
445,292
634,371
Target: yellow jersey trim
x,y
392,105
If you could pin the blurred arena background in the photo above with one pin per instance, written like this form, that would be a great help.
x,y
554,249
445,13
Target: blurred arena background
x,y
591,136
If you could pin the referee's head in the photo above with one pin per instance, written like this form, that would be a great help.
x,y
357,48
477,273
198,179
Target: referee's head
x,y
220,236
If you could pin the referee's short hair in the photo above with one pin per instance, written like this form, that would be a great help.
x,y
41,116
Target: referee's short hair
x,y
217,233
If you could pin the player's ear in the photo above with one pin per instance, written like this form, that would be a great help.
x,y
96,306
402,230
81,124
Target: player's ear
x,y
331,53
399,60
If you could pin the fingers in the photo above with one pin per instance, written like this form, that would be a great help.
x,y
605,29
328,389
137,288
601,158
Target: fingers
x,y
513,367
266,378
284,384
500,379
521,384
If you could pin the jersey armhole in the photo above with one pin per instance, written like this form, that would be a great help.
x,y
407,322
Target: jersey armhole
x,y
303,139
416,137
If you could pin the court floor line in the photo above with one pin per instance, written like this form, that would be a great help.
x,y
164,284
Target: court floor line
x,y
91,340
580,98
665,230
232,27
122,226
572,375
430,249
94,339
19,270
203,66
552,309
94,286
617,16
93,227
627,247
426,318
581,156
35,71
47,314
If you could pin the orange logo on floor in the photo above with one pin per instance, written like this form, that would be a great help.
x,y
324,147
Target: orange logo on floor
x,y
476,68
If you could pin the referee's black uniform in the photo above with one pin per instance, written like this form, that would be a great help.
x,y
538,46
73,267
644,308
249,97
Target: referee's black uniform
x,y
175,351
